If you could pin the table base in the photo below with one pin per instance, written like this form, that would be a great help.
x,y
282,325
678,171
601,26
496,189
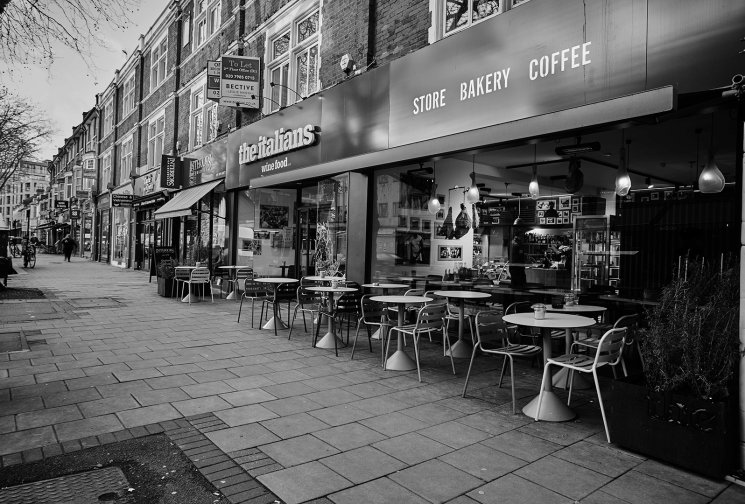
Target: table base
x,y
553,409
193,298
400,361
327,341
231,295
561,380
461,349
275,321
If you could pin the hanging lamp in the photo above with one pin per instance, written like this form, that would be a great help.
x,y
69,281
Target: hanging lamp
x,y
472,194
518,220
533,188
433,205
711,180
623,181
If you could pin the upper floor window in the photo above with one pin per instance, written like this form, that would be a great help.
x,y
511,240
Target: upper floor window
x,y
207,19
126,160
128,104
155,135
158,60
106,170
108,117
203,123
294,61
91,134
461,14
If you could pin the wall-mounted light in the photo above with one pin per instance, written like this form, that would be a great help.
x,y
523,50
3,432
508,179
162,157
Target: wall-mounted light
x,y
649,183
433,205
623,181
533,188
472,195
711,180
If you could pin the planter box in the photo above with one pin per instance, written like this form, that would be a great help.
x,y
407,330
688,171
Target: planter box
x,y
165,286
693,433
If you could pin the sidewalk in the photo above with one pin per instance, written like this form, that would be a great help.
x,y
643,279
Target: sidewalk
x,y
266,419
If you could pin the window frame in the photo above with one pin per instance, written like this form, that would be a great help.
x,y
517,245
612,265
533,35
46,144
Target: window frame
x,y
108,116
153,161
437,29
203,19
159,49
286,63
201,114
128,91
126,158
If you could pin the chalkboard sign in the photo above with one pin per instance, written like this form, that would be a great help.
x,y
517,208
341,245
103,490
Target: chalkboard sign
x,y
159,254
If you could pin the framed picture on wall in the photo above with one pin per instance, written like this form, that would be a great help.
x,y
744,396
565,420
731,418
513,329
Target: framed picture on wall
x,y
575,208
273,216
414,223
383,209
542,220
402,221
655,196
426,225
565,202
550,220
540,213
412,248
449,253
545,204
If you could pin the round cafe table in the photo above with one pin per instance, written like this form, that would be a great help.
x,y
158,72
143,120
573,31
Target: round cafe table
x,y
327,278
400,360
461,349
386,287
553,409
233,271
327,341
276,318
561,379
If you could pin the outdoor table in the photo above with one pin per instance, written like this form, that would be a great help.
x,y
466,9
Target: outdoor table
x,y
233,271
386,287
553,409
327,341
283,266
561,379
461,349
188,298
327,278
400,361
276,318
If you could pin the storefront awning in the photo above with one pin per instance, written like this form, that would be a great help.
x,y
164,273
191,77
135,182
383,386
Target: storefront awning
x,y
48,225
183,201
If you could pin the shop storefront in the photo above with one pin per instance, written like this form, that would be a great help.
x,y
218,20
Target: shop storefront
x,y
121,213
148,197
102,251
193,221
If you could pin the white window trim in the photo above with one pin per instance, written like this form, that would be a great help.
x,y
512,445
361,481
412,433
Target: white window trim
x,y
205,16
104,158
152,161
436,29
283,21
207,105
164,77
129,96
125,173
108,120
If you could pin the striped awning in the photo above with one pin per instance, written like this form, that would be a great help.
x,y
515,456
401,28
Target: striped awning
x,y
183,201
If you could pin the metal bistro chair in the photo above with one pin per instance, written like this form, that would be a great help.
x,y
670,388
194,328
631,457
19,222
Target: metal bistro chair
x,y
240,278
347,308
254,291
608,352
305,302
628,321
282,293
373,316
199,276
493,338
180,276
430,318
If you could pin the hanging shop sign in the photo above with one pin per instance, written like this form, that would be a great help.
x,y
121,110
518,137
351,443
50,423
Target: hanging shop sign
x,y
121,200
61,204
207,163
214,70
74,213
170,172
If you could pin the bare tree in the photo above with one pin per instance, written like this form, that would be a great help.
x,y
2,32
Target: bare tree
x,y
30,30
22,128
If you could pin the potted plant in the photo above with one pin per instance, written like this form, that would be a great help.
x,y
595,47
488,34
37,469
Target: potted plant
x,y
683,410
324,253
166,272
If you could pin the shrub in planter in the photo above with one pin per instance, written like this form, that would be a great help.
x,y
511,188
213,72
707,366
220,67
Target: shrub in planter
x,y
166,272
683,410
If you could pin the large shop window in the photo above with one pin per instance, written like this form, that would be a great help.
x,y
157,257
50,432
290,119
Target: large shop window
x,y
155,135
293,55
121,236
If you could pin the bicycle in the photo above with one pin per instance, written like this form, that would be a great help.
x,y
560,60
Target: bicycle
x,y
29,258
15,250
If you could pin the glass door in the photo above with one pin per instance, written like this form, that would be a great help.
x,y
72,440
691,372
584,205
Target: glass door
x,y
305,239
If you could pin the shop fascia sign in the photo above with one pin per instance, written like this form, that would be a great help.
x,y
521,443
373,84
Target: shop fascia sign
x,y
281,142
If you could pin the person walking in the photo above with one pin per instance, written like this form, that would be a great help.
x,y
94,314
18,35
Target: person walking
x,y
68,246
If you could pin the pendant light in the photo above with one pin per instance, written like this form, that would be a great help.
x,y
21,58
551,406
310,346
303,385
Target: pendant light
x,y
623,181
518,220
533,188
711,180
433,205
472,195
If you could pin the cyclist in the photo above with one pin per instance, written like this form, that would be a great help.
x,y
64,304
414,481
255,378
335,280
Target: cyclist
x,y
24,250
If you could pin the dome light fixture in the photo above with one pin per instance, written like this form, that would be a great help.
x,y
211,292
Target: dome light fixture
x,y
472,194
623,181
711,180
533,188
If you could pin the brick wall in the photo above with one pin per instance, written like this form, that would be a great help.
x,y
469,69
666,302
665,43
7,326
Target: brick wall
x,y
401,28
344,31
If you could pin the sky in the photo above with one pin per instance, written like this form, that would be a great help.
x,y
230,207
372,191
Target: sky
x,y
68,88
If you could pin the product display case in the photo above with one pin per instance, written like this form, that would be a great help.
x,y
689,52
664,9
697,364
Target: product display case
x,y
596,253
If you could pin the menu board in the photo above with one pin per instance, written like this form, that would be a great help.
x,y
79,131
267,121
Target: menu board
x,y
158,255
